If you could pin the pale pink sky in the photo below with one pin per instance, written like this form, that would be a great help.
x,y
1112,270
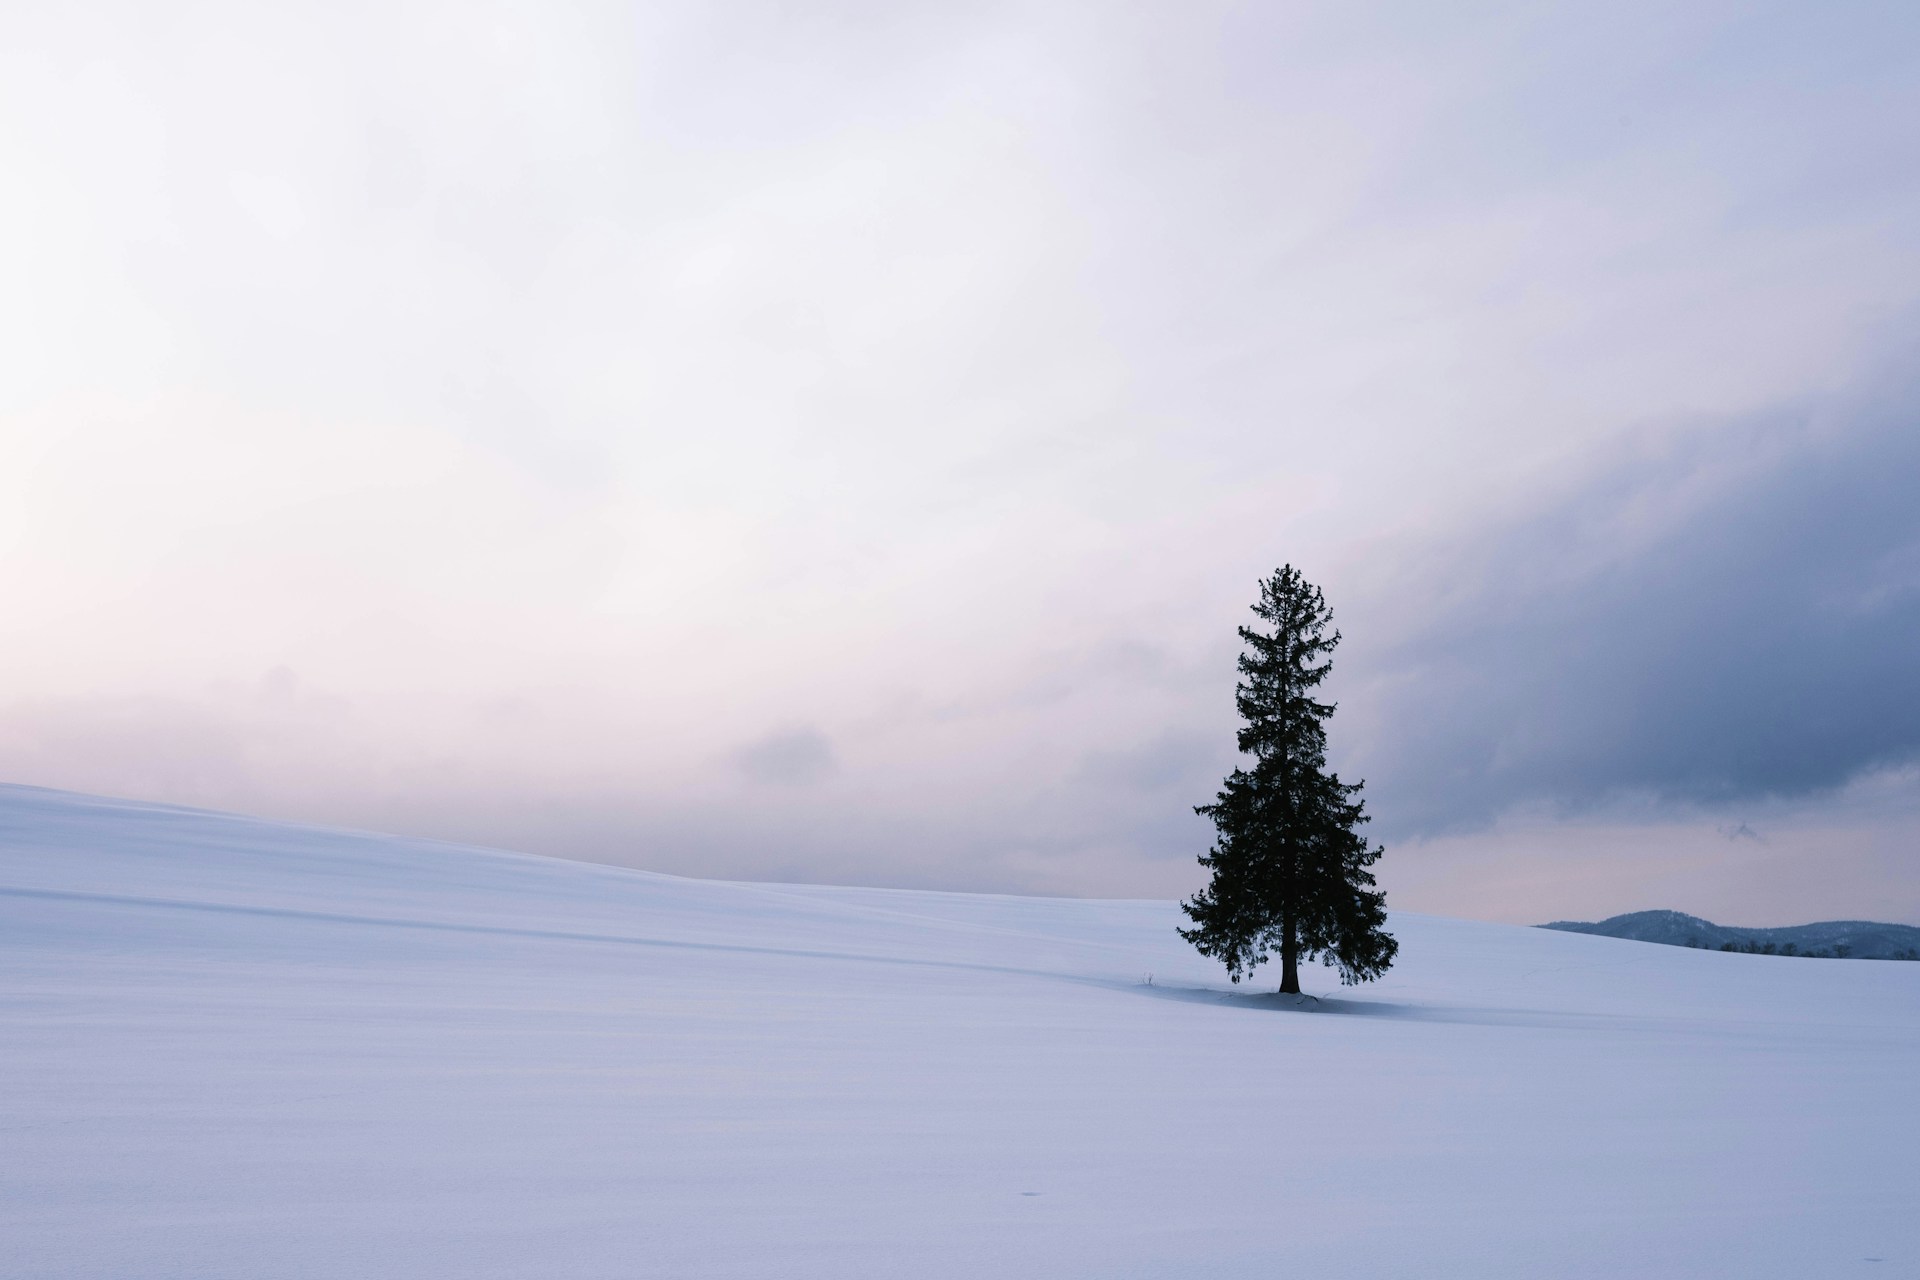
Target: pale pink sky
x,y
839,445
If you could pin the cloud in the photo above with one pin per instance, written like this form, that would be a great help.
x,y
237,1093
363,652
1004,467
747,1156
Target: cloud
x,y
1733,615
794,757
744,441
1169,760
220,747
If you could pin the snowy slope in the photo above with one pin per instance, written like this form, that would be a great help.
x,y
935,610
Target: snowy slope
x,y
232,1048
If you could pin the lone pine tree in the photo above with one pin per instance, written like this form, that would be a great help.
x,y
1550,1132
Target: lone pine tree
x,y
1289,865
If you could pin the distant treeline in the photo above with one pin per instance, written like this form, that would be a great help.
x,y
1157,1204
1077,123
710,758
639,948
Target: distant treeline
x,y
1829,940
1838,951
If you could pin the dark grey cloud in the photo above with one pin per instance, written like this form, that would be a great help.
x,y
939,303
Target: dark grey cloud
x,y
1734,617
792,757
1168,761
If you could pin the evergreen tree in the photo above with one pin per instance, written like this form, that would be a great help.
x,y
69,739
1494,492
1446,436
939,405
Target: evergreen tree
x,y
1289,865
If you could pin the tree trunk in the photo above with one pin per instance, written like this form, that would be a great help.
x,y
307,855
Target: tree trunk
x,y
1289,962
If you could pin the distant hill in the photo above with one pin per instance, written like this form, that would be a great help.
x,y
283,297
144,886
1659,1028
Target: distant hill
x,y
1851,939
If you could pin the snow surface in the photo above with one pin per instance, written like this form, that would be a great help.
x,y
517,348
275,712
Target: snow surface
x,y
238,1048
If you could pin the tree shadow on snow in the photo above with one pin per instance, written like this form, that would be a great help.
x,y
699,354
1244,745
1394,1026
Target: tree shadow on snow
x,y
1274,1002
1270,1001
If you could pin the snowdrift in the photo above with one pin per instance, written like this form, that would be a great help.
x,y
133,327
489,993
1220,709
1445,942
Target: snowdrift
x,y
236,1048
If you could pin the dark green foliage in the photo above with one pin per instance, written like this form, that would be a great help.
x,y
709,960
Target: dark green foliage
x,y
1289,865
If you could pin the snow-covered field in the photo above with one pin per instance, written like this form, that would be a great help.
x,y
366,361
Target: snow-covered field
x,y
233,1048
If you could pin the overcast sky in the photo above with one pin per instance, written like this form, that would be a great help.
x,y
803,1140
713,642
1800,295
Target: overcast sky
x,y
837,443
